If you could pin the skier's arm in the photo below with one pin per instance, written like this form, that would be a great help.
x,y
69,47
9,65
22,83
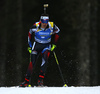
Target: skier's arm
x,y
30,38
56,31
55,37
33,29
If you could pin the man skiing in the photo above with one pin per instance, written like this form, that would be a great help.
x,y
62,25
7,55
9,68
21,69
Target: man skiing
x,y
43,31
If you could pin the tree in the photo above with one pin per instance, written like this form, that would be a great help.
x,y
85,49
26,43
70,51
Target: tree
x,y
3,42
93,43
87,47
83,45
18,41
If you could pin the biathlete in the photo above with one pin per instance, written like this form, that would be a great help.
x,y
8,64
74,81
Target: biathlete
x,y
43,31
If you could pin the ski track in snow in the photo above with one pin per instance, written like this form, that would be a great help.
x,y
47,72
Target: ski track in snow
x,y
50,90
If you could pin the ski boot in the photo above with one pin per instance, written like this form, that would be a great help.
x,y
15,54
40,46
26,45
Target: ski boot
x,y
40,83
25,83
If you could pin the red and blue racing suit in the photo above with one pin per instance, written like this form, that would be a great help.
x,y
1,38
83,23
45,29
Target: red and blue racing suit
x,y
42,44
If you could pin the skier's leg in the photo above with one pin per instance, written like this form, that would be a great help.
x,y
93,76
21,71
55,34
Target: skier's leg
x,y
29,70
45,56
31,65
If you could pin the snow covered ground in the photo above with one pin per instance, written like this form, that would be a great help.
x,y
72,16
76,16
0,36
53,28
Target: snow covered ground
x,y
50,90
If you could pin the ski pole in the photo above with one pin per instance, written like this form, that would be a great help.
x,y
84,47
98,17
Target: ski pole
x,y
59,68
30,77
29,49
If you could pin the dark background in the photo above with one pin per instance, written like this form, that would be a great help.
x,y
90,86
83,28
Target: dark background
x,y
77,50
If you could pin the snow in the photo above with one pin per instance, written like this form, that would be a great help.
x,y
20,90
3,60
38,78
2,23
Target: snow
x,y
50,90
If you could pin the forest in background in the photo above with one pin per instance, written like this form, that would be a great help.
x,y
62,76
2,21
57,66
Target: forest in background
x,y
77,50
